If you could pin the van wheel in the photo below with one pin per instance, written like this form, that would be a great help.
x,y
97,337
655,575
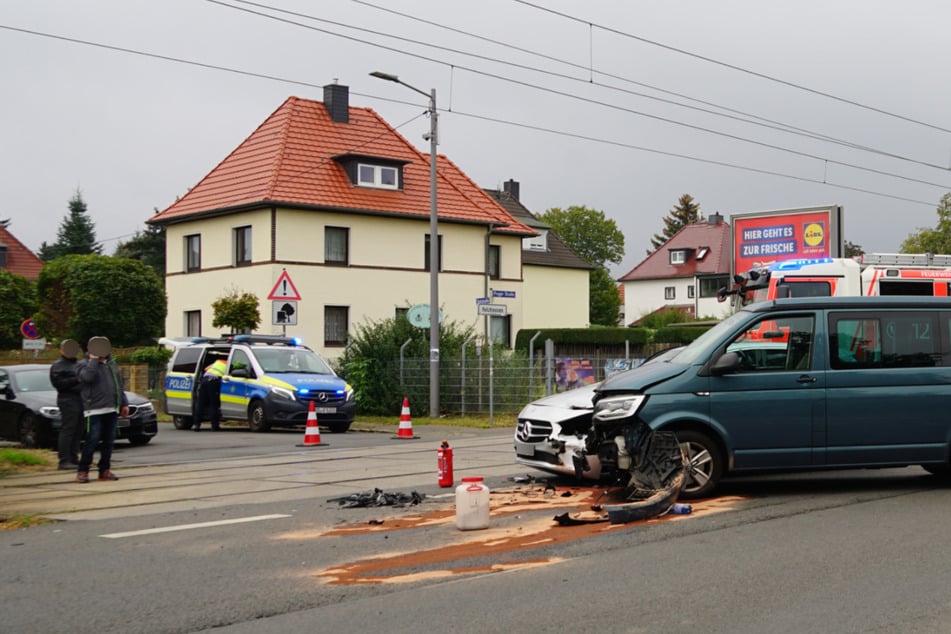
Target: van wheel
x,y
703,466
256,420
182,422
338,428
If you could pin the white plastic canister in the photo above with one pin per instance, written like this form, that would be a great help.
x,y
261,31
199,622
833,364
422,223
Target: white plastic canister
x,y
472,504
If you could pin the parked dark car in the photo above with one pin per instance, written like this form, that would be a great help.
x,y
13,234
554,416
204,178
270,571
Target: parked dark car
x,y
29,415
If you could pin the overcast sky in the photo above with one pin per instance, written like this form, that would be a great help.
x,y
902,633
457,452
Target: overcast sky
x,y
574,100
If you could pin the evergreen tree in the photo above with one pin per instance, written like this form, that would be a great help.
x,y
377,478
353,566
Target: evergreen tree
x,y
684,213
853,250
76,235
148,247
605,304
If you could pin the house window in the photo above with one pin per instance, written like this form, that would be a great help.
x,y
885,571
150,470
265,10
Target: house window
x,y
536,243
379,176
3,255
336,319
242,246
678,256
192,253
670,292
493,263
500,329
438,254
710,286
337,246
193,323
691,293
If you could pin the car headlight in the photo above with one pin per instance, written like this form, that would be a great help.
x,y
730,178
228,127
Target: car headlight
x,y
615,408
283,393
349,392
145,408
50,412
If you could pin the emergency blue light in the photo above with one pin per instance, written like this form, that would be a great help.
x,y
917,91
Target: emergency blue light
x,y
795,265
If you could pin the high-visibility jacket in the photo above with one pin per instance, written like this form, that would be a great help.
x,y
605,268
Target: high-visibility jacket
x,y
216,370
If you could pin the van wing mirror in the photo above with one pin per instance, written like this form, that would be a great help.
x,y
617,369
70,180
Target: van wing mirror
x,y
727,363
240,372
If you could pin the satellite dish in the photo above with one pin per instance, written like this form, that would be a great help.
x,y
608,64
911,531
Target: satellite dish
x,y
418,315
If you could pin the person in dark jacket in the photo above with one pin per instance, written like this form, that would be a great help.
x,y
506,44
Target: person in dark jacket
x,y
104,401
65,378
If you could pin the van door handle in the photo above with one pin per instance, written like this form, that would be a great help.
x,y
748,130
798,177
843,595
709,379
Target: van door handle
x,y
805,378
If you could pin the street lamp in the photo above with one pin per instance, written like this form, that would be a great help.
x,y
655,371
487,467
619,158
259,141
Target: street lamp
x,y
433,247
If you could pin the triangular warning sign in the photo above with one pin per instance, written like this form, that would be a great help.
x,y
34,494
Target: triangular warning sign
x,y
284,289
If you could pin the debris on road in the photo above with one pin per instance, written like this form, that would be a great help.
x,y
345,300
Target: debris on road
x,y
379,498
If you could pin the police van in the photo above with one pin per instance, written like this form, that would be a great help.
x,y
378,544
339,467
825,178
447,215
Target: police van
x,y
270,381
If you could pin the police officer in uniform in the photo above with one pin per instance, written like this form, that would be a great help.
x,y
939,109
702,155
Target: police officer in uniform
x,y
209,395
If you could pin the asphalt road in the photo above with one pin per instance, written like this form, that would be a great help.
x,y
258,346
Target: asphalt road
x,y
238,532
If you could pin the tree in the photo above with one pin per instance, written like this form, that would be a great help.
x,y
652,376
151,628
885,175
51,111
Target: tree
x,y
17,303
237,310
76,235
684,213
605,302
853,250
148,247
95,295
937,240
587,232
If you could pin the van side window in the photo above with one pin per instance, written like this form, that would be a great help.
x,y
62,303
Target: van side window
x,y
885,340
187,360
773,345
240,361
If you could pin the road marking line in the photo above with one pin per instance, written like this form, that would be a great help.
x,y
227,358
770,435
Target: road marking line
x,y
185,527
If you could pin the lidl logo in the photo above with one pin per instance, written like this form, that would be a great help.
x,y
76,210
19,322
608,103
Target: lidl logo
x,y
814,234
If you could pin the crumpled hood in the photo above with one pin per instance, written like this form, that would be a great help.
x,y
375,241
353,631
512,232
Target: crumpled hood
x,y
642,377
578,398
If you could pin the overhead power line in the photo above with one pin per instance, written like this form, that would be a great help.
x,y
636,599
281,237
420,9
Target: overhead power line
x,y
734,67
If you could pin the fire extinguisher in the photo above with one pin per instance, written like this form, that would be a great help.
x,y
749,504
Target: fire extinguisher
x,y
444,463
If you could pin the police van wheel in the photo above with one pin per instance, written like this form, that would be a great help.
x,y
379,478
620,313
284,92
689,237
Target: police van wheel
x,y
182,422
338,428
256,420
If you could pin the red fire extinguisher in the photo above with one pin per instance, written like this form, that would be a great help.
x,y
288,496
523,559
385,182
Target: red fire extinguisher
x,y
444,463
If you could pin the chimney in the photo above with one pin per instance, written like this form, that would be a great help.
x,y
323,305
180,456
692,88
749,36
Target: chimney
x,y
337,102
510,187
715,219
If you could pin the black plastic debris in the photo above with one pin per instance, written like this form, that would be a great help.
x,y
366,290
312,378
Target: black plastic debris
x,y
577,519
378,497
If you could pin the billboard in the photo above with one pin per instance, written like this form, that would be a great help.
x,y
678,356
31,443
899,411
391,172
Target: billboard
x,y
786,234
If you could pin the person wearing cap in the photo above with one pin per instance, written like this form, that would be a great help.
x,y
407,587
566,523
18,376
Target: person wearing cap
x,y
104,400
64,375
209,395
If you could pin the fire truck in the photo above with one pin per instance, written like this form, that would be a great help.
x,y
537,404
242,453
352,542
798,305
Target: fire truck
x,y
870,274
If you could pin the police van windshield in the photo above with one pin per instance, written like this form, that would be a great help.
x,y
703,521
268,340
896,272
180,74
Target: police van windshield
x,y
291,360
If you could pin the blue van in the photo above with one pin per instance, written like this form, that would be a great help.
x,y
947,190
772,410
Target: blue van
x,y
788,384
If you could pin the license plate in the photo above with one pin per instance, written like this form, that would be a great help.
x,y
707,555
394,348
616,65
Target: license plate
x,y
325,410
524,449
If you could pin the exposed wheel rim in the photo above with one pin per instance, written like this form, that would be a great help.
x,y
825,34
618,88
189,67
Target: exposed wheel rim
x,y
698,467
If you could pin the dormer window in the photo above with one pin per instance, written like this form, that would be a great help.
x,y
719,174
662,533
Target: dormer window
x,y
536,243
379,176
678,256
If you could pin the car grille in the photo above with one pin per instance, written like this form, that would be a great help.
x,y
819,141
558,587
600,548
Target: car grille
x,y
532,430
323,398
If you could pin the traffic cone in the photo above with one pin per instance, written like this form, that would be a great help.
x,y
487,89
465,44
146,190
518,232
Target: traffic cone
x,y
406,423
312,432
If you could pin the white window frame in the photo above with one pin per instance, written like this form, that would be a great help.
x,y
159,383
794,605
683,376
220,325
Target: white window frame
x,y
670,292
678,256
691,292
379,173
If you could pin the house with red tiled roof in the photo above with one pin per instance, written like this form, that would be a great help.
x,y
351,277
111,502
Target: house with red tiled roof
x,y
684,273
549,268
334,200
16,258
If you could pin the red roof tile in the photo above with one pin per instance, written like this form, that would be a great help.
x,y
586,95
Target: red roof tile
x,y
289,160
695,236
20,260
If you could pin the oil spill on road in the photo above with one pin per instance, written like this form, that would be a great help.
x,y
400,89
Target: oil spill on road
x,y
510,542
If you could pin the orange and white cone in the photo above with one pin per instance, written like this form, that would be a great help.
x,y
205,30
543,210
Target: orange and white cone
x,y
312,432
406,423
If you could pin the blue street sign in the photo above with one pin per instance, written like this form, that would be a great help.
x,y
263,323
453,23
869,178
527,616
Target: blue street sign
x,y
482,300
503,293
